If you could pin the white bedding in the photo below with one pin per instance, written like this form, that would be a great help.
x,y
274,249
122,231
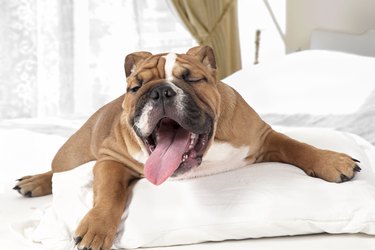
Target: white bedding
x,y
313,88
286,89
307,82
262,200
20,216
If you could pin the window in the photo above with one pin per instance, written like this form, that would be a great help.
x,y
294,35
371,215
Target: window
x,y
158,27
64,58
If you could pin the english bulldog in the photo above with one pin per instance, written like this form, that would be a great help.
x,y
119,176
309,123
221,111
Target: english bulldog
x,y
176,120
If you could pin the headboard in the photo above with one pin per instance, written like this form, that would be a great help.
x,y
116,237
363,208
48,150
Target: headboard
x,y
361,44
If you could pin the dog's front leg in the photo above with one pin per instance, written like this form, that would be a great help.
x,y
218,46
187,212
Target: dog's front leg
x,y
98,228
328,165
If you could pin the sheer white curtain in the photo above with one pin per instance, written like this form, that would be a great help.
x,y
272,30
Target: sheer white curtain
x,y
36,56
62,57
65,57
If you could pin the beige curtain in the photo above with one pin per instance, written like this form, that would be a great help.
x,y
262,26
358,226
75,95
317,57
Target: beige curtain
x,y
214,23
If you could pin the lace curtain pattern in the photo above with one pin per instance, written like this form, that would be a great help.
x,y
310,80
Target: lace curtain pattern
x,y
18,58
35,57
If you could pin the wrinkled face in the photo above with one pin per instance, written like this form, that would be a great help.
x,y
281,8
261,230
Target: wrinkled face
x,y
171,105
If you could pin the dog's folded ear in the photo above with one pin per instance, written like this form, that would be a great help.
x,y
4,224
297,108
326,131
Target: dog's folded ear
x,y
205,54
133,60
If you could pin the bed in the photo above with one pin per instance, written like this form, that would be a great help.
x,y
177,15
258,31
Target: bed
x,y
328,96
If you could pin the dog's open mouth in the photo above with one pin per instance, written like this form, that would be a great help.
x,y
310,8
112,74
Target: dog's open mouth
x,y
172,150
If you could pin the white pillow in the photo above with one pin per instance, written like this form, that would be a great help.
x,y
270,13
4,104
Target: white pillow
x,y
309,82
268,199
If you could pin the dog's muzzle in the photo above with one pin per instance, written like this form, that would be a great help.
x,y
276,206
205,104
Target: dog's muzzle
x,y
174,130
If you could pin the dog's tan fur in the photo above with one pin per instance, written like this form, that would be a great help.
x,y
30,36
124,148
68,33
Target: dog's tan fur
x,y
108,138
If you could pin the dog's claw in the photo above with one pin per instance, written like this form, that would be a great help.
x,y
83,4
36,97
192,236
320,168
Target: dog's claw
x,y
356,160
357,168
344,178
20,179
77,239
16,188
84,248
29,194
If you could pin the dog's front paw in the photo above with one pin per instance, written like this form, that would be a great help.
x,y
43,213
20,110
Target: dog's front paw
x,y
334,167
96,231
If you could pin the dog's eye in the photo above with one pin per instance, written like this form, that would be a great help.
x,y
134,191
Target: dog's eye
x,y
137,86
187,77
195,80
134,89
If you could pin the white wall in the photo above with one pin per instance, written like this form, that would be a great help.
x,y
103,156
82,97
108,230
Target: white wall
x,y
303,16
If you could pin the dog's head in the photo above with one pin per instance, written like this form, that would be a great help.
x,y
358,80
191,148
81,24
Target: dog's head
x,y
172,105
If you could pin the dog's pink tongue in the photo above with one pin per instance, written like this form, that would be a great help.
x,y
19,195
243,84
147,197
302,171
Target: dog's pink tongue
x,y
167,156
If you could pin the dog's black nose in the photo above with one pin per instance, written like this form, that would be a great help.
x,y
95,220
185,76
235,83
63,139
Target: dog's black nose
x,y
161,92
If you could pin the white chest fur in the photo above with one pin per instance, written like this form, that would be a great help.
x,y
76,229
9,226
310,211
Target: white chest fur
x,y
221,157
